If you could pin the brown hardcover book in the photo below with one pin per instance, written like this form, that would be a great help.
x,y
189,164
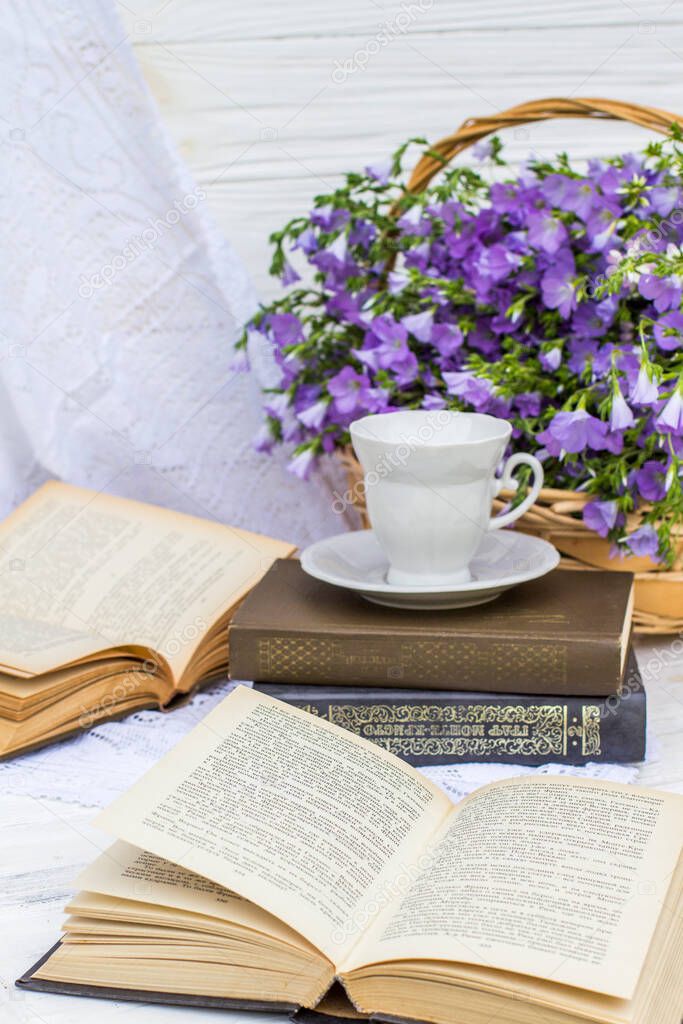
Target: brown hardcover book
x,y
564,634
109,605
272,853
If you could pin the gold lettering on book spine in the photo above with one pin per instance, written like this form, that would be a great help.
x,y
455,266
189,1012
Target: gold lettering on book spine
x,y
475,730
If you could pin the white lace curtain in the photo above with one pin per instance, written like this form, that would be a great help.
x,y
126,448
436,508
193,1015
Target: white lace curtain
x,y
119,297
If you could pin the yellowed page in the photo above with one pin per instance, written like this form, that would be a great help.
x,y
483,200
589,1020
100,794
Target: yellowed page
x,y
128,873
310,822
85,572
555,877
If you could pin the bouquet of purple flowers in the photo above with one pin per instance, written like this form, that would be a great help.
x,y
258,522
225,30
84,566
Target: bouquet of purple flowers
x,y
550,297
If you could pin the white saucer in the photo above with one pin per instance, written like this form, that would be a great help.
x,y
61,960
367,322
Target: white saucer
x,y
355,561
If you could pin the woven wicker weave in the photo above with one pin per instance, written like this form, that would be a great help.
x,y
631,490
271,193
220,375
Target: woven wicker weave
x,y
556,516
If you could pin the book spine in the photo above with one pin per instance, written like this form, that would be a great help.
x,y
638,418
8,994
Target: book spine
x,y
478,728
491,664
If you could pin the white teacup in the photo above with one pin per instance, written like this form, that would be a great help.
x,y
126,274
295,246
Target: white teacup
x,y
429,483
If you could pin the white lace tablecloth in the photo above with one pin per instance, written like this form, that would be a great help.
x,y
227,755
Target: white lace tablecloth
x,y
93,768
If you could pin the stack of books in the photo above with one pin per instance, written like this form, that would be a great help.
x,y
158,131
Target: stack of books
x,y
545,673
275,861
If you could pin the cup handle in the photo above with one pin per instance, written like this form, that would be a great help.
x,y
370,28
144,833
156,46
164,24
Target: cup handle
x,y
507,480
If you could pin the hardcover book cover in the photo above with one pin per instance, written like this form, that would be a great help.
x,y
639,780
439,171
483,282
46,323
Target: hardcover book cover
x,y
564,634
438,727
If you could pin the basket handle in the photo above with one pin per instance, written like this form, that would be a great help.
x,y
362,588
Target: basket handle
x,y
476,128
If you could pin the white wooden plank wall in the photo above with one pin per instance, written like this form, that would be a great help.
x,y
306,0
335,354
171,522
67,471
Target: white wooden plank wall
x,y
256,96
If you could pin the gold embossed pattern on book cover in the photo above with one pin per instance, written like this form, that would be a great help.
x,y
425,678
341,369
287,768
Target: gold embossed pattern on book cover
x,y
475,730
318,658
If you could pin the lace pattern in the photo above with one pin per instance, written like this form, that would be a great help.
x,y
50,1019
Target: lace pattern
x,y
120,296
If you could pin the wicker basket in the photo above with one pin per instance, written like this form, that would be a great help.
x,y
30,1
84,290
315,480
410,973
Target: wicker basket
x,y
556,515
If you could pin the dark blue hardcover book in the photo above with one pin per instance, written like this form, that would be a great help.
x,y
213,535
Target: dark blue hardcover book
x,y
446,727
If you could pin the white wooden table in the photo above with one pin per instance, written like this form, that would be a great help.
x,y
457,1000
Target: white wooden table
x,y
43,845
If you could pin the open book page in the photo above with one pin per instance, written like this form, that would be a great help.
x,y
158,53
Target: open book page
x,y
553,877
128,873
308,821
84,572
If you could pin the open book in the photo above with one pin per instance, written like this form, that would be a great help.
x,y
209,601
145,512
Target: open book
x,y
271,852
108,606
